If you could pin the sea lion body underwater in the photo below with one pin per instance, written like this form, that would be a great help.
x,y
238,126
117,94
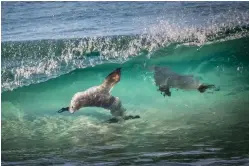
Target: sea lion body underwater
x,y
99,96
165,79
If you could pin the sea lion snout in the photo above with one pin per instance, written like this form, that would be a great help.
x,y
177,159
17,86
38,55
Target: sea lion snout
x,y
71,111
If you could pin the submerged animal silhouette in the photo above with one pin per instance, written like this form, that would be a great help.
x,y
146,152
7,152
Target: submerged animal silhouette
x,y
99,96
165,79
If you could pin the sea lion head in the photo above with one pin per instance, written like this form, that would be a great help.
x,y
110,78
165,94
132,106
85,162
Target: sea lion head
x,y
76,105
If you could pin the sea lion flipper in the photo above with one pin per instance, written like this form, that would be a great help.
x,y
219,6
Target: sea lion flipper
x,y
63,109
114,77
164,90
202,88
128,117
112,120
131,117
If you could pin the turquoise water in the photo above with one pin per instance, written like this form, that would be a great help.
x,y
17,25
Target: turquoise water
x,y
188,128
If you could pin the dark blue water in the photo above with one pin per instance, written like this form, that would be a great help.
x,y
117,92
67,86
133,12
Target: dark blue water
x,y
53,20
51,50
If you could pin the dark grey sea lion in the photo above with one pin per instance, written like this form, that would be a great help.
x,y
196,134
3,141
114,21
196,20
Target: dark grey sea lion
x,y
99,96
165,79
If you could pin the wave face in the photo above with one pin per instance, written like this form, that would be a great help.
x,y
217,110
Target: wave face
x,y
41,72
188,127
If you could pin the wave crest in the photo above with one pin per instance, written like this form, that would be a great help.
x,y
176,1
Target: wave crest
x,y
26,62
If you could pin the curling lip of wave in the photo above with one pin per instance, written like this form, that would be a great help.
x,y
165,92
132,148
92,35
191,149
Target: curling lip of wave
x,y
30,62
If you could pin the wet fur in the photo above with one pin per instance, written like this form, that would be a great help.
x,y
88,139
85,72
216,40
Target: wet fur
x,y
99,96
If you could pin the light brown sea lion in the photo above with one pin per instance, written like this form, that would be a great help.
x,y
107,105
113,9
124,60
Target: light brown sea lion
x,y
99,96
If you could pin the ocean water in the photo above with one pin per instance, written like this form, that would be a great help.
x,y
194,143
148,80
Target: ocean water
x,y
51,50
